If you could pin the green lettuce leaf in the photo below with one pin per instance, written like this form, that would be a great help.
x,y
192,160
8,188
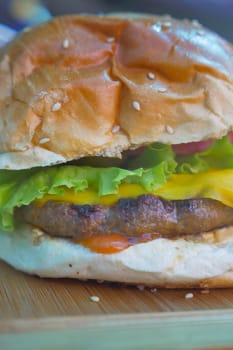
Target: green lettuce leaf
x,y
151,169
153,154
19,188
218,156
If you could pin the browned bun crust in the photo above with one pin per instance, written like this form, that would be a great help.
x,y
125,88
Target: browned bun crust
x,y
92,85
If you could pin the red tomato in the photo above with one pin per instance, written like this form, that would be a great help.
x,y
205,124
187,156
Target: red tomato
x,y
191,147
230,135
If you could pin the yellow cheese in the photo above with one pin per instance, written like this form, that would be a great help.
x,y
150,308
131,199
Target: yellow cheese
x,y
91,197
215,184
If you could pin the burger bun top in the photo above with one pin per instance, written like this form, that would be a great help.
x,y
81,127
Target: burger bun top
x,y
80,86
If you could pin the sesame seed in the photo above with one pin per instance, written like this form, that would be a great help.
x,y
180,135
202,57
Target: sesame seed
x,y
151,75
157,27
56,106
44,140
205,291
110,39
166,25
140,287
162,89
20,147
94,298
169,130
153,290
189,296
116,128
136,105
66,43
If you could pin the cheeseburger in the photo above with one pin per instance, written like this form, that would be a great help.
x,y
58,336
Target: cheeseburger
x,y
115,151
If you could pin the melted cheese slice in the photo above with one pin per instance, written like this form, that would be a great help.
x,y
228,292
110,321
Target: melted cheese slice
x,y
215,184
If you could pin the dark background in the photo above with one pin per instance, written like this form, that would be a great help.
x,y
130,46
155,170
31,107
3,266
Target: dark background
x,y
215,14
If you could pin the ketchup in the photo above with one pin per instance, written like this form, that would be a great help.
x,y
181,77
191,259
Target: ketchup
x,y
105,244
113,243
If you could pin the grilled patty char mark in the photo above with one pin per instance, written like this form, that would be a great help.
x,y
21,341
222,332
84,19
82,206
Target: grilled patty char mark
x,y
131,217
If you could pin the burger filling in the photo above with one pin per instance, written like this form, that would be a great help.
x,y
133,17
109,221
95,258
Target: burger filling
x,y
158,191
132,217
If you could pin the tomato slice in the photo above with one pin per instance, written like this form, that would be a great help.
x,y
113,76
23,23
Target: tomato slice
x,y
230,135
192,147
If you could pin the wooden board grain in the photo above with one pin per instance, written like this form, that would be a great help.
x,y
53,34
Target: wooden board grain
x,y
23,296
59,314
179,330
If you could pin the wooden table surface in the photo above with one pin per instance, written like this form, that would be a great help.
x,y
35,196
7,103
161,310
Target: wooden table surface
x,y
31,308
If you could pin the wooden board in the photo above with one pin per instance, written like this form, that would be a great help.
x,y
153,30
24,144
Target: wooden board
x,y
125,332
23,296
61,312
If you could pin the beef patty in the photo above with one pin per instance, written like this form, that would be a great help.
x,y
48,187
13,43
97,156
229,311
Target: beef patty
x,y
132,217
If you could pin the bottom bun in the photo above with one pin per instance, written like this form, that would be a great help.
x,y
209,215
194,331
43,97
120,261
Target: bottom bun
x,y
159,263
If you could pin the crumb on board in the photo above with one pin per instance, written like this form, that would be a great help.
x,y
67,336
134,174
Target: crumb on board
x,y
205,291
189,296
100,281
140,287
94,298
153,290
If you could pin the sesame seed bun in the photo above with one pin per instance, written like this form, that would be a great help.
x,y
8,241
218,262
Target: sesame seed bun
x,y
79,86
90,85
